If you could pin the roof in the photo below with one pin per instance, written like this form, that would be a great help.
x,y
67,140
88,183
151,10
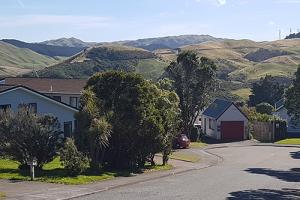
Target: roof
x,y
217,108
48,85
279,104
9,88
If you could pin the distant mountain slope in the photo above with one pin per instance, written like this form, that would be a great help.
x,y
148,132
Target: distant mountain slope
x,y
44,49
68,42
246,60
105,58
170,42
15,61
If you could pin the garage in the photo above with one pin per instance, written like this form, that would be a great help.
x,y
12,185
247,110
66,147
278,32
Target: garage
x,y
232,130
223,120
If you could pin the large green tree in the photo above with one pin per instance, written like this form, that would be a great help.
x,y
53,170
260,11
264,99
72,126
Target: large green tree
x,y
194,81
292,102
133,108
266,90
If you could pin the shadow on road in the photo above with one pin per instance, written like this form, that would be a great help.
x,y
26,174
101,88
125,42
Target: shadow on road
x,y
292,175
295,155
267,194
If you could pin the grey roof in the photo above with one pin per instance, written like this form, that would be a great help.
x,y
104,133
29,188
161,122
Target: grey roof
x,y
217,108
279,104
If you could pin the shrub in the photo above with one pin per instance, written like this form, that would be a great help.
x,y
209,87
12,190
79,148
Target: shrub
x,y
194,135
25,135
73,160
264,108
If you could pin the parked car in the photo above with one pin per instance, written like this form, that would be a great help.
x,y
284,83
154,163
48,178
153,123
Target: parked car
x,y
181,141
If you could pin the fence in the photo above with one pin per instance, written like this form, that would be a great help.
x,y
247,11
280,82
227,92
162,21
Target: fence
x,y
269,131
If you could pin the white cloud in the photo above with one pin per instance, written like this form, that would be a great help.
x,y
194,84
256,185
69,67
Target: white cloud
x,y
216,2
81,22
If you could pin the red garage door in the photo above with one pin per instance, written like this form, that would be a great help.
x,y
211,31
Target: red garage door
x,y
232,130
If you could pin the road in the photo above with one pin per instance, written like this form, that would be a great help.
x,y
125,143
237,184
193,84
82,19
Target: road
x,y
250,172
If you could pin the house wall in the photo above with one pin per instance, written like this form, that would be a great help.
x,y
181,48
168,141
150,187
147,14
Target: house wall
x,y
44,106
65,98
211,132
233,114
283,114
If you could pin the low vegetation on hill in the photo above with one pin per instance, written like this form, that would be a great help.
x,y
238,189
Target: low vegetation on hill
x,y
106,58
293,35
69,42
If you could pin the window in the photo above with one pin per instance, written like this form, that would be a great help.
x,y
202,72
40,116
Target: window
x,y
57,98
210,124
32,107
68,129
5,107
74,102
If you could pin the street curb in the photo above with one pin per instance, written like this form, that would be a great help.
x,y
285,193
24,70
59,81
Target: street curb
x,y
149,179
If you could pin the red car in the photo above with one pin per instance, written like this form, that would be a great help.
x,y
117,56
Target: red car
x,y
182,141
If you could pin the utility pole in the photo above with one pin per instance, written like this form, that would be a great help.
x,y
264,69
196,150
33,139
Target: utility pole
x,y
279,34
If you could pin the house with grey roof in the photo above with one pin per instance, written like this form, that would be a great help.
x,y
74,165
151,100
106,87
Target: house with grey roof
x,y
223,120
293,127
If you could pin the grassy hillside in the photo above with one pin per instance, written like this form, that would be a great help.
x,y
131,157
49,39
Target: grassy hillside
x,y
247,61
107,57
68,42
170,42
15,61
47,50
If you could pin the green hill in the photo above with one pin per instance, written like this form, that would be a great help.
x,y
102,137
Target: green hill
x,y
68,42
107,57
15,61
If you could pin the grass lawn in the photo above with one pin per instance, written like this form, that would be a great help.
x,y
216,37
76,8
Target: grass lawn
x,y
289,141
54,172
2,195
185,156
197,144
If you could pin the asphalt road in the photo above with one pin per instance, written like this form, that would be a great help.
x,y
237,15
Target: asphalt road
x,y
252,172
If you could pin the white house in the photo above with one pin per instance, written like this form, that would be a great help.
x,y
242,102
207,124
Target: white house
x,y
14,96
223,120
293,128
67,91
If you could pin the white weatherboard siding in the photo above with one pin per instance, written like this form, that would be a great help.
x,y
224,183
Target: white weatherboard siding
x,y
45,105
210,131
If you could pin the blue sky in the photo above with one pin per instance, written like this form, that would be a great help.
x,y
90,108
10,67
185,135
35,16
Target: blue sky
x,y
110,20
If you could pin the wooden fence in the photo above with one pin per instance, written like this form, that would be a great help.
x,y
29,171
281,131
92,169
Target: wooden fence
x,y
269,131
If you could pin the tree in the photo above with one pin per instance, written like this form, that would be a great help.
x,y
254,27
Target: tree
x,y
73,160
292,96
92,135
26,135
138,113
264,108
266,90
194,80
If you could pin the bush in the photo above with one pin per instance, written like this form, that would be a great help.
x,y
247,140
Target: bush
x,y
264,108
194,135
25,135
73,160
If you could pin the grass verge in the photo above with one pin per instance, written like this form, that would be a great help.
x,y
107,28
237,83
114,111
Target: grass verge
x,y
197,145
289,141
2,195
185,156
54,172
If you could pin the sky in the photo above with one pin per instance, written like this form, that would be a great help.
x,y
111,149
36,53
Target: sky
x,y
113,20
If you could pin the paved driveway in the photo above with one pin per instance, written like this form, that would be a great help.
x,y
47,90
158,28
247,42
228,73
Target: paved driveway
x,y
250,172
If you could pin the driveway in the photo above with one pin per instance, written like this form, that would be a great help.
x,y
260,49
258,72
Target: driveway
x,y
246,172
